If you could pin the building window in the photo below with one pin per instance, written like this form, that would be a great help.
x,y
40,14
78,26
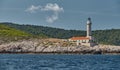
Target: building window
x,y
83,41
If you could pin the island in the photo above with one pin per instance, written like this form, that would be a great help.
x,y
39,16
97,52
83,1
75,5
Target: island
x,y
16,38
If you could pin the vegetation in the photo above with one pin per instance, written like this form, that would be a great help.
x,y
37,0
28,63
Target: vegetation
x,y
10,34
47,31
111,36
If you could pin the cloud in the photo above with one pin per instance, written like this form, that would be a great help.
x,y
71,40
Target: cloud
x,y
55,8
52,7
52,18
32,9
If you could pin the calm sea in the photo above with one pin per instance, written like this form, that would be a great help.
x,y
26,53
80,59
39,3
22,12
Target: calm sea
x,y
59,62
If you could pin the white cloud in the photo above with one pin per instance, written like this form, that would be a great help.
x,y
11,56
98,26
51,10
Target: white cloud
x,y
52,18
32,9
52,7
55,8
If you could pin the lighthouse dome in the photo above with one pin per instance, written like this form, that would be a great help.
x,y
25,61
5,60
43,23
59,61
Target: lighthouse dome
x,y
89,21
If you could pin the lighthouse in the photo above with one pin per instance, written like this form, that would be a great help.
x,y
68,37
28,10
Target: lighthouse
x,y
87,40
89,23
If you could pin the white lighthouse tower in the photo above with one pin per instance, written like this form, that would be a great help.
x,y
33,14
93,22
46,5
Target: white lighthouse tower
x,y
89,32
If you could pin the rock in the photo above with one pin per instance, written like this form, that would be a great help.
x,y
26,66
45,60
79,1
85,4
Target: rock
x,y
44,46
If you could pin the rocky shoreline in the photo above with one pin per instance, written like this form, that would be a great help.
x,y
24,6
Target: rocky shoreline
x,y
48,47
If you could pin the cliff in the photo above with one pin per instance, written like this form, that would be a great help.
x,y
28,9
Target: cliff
x,y
54,46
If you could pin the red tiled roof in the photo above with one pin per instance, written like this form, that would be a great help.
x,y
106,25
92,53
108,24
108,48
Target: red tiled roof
x,y
79,38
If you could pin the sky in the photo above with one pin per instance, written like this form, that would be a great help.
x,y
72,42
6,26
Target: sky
x,y
66,14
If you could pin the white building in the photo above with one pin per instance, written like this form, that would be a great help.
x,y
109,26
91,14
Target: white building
x,y
88,40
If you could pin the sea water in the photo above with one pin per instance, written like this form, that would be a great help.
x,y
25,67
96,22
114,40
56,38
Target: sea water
x,y
59,62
